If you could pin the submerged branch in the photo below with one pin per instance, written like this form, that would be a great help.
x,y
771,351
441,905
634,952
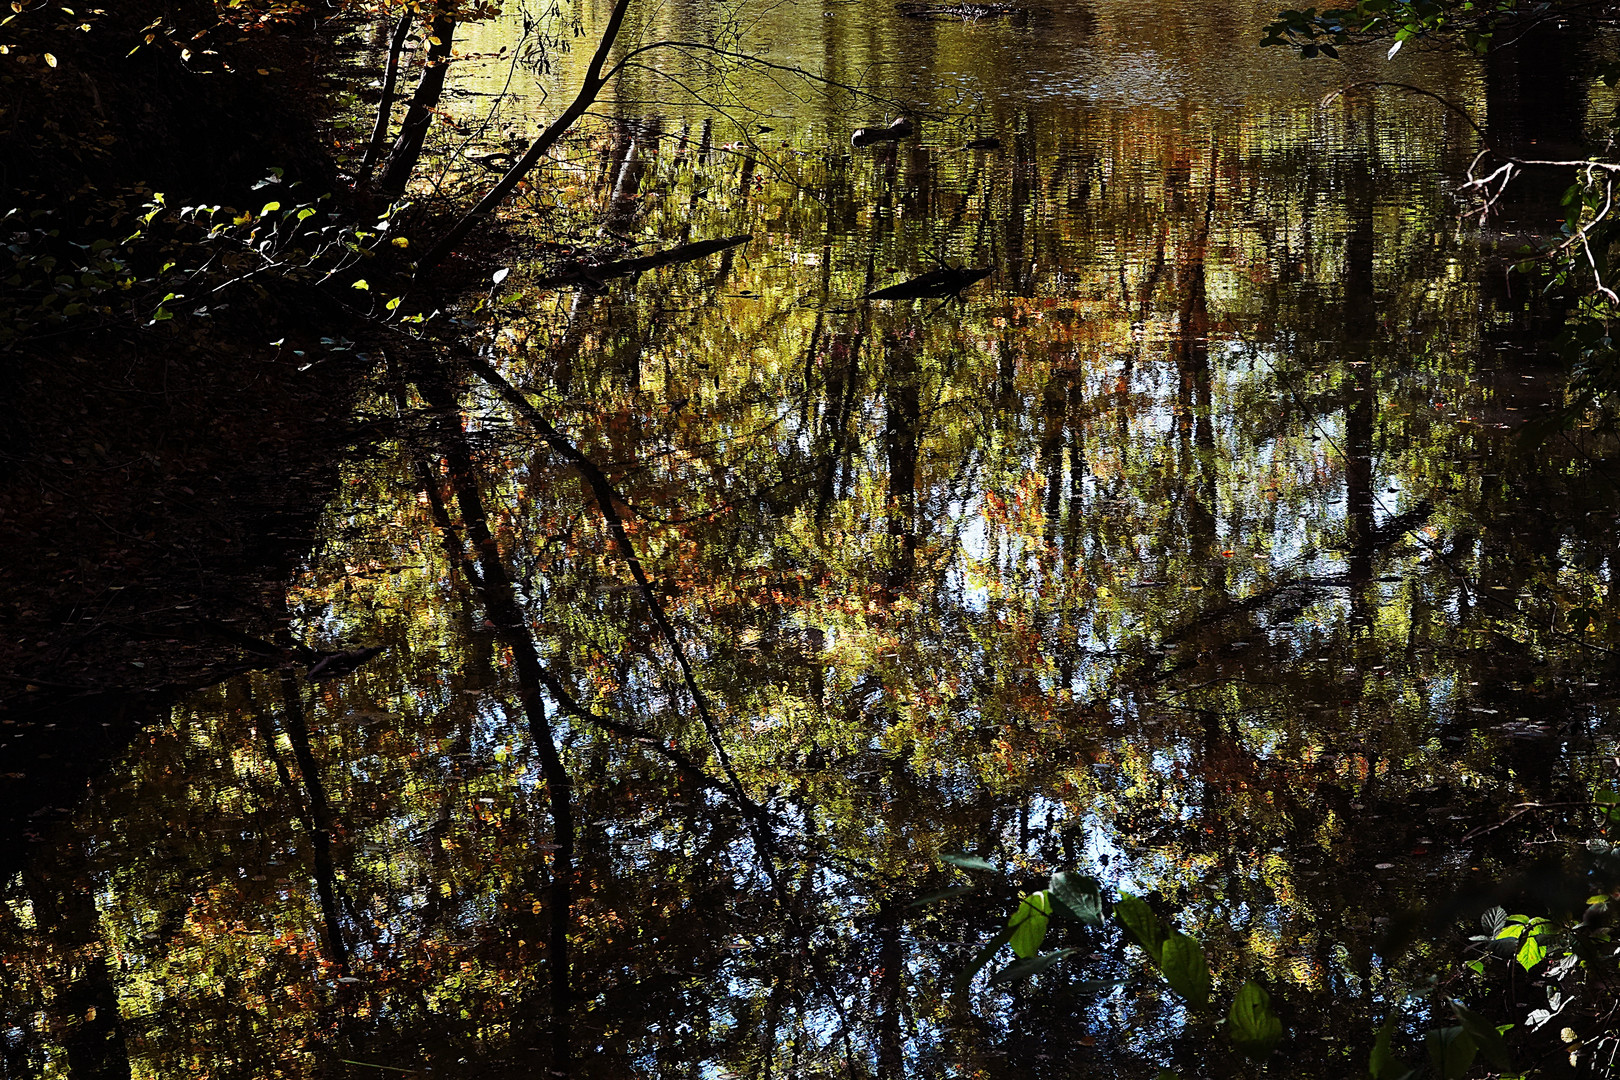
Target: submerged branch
x,y
1369,84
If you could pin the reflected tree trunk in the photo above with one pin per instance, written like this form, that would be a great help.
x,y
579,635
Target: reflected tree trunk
x,y
615,161
486,573
1019,264
918,197
1079,469
902,420
890,963
1007,379
1195,433
1360,327
1054,410
321,823
1068,655
833,438
85,1007
565,352
314,812
624,208
816,639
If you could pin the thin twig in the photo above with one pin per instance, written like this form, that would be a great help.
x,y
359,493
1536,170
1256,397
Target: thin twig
x,y
1409,88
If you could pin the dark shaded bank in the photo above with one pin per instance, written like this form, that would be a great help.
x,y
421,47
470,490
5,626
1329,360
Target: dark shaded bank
x,y
157,94
160,477
152,515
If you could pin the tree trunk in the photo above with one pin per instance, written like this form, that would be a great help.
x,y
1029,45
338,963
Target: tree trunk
x,y
407,149
86,1007
385,106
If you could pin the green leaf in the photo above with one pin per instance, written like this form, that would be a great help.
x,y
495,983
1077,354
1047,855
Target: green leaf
x,y
1029,965
269,208
1182,961
1254,1028
1451,1051
1028,923
1382,1063
970,862
361,284
1079,896
1531,949
1166,1074
964,978
942,894
1140,922
1484,1034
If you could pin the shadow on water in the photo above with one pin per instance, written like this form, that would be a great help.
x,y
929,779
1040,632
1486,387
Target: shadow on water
x,y
1193,548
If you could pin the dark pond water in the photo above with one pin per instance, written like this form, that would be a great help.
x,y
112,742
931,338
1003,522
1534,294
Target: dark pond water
x,y
1197,549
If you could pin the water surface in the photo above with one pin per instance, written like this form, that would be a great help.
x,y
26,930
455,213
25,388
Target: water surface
x,y
1196,549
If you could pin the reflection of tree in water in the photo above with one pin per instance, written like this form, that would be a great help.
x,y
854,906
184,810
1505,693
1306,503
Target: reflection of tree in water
x,y
1092,571
60,891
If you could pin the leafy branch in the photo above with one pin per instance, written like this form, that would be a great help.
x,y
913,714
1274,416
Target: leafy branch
x,y
1250,1023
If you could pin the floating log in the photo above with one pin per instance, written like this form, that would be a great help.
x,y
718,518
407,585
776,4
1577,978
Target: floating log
x,y
902,128
334,665
944,282
585,274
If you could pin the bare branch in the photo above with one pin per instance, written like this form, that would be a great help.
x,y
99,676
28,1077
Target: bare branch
x,y
1585,234
589,88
